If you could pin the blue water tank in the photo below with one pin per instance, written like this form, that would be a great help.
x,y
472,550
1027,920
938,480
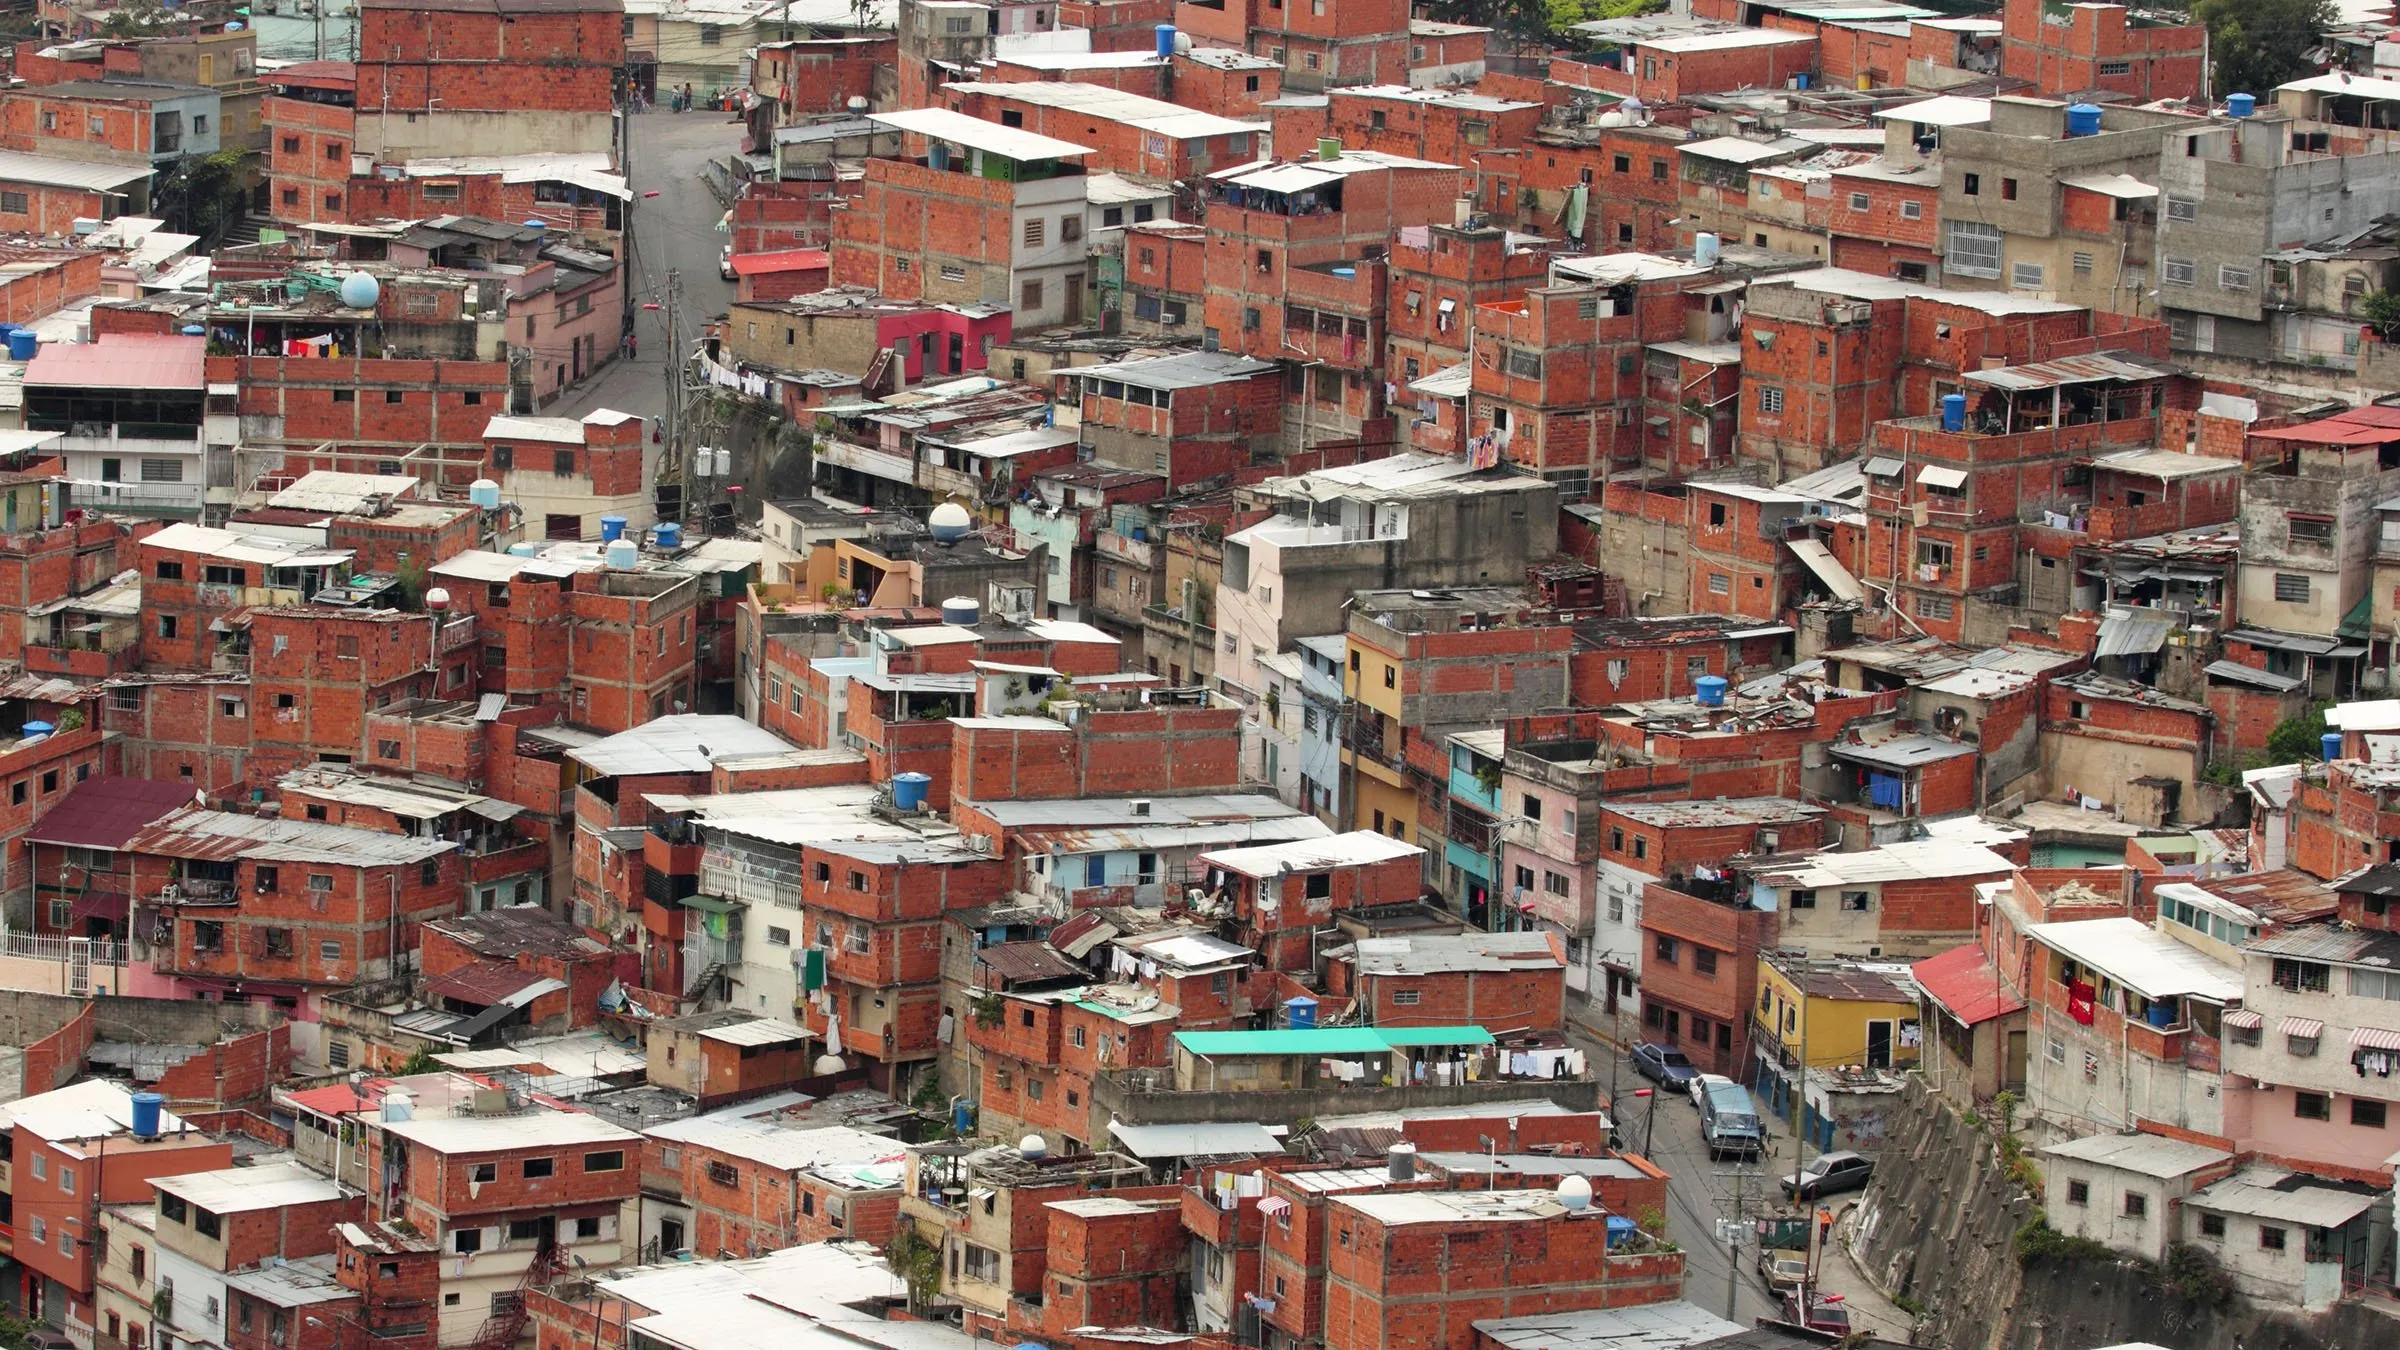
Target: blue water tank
x,y
1620,1230
2083,119
2241,105
537,225
1166,41
38,729
146,1109
612,529
962,1118
193,330
1800,81
909,789
670,536
360,291
2331,744
1709,691
1300,1012
485,493
1954,412
22,344
2160,1015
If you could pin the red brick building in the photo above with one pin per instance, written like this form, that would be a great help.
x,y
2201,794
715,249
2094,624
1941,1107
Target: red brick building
x,y
2099,48
1278,895
755,1186
1513,981
1699,966
286,909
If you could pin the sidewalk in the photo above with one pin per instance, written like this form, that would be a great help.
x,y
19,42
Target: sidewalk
x,y
1870,1311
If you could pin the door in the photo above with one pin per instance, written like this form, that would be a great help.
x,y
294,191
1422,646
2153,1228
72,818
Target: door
x,y
2016,1062
1879,1045
670,1236
1074,297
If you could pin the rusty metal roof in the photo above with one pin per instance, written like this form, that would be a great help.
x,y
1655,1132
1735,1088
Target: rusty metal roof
x,y
2067,370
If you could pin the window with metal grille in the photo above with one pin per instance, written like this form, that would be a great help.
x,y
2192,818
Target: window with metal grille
x,y
2178,271
1974,249
2233,278
2291,588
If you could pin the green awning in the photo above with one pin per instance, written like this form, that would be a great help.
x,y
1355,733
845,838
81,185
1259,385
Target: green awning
x,y
709,904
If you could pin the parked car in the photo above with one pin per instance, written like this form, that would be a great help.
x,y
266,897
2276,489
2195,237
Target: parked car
x,y
1831,1172
1699,1088
1785,1270
1825,1312
1728,1118
725,262
42,1339
1663,1064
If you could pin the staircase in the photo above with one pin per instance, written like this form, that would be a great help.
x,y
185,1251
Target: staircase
x,y
241,232
705,980
507,1321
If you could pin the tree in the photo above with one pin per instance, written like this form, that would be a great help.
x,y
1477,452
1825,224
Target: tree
x,y
2298,738
1565,14
2259,44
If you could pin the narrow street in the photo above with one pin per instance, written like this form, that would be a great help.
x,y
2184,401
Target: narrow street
x,y
673,231
1701,1190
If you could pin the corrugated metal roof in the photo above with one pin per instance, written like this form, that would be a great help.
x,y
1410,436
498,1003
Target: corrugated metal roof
x,y
2238,673
1445,953
754,1031
685,743
941,124
222,836
1200,1139
2128,630
1967,985
1028,962
2147,962
1828,569
2274,1193
2150,1155
122,361
1311,855
106,812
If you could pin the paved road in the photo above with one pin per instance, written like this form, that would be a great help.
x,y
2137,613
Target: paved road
x,y
677,229
1701,1190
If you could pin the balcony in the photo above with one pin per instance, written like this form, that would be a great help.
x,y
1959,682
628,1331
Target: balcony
x,y
88,659
458,632
2115,524
1468,786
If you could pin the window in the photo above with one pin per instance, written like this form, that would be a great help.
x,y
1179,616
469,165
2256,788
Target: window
x,y
66,1180
711,35
1856,902
2291,588
2079,1192
2270,1239
2309,529
610,1160
1859,201
779,937
537,1168
2178,271
2137,1205
2233,278
1912,210
2212,1225
1971,184
2367,1113
484,1172
587,1227
1974,248
1406,998
1665,949
1030,295
466,1240
2183,210
1658,171
2083,264
1719,583
2312,1106
724,1174
1770,399
1704,961
524,1230
2026,276
2008,189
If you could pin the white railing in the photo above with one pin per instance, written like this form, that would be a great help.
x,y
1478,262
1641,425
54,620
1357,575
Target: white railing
x,y
44,947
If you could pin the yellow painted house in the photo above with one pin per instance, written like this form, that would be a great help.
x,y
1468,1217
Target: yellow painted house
x,y
1833,1013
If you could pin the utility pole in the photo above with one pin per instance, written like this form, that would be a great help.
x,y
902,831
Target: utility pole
x,y
1733,1243
674,377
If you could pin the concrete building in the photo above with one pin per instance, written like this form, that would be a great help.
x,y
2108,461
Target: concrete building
x,y
2298,173
1411,519
979,214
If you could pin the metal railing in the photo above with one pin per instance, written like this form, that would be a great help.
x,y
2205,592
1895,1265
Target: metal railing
x,y
47,947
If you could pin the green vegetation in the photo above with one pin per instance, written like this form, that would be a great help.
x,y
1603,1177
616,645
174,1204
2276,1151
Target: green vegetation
x,y
1538,20
2298,738
2037,1242
2382,309
2194,1276
918,1263
2259,44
